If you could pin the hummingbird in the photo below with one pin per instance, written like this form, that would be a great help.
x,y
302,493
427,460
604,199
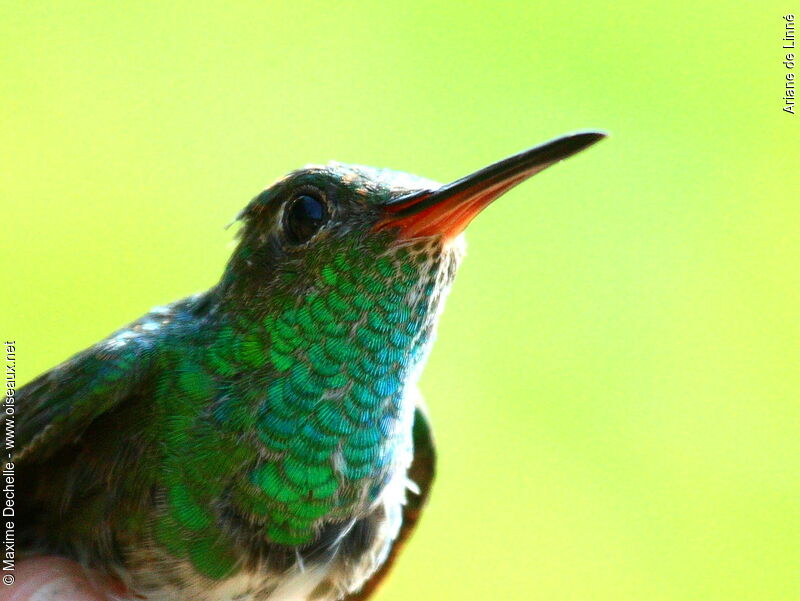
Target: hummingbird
x,y
264,440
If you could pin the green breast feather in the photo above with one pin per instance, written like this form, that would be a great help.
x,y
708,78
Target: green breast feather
x,y
319,424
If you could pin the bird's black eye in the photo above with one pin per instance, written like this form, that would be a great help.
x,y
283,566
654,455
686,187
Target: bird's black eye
x,y
305,216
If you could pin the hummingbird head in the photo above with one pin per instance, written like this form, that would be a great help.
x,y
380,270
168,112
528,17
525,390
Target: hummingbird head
x,y
327,309
372,231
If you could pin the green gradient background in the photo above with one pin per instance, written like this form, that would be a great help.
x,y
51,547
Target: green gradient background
x,y
615,385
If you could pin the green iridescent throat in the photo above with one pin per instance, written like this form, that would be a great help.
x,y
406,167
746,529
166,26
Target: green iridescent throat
x,y
315,405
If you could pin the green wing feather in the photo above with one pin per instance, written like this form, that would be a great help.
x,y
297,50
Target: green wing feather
x,y
55,408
